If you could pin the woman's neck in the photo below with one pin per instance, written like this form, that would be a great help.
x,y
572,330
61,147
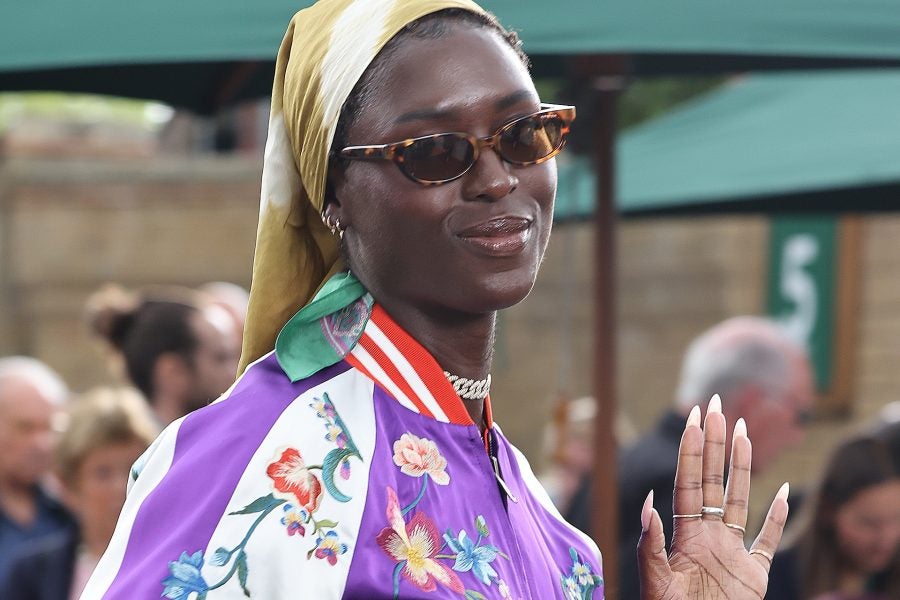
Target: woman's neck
x,y
462,344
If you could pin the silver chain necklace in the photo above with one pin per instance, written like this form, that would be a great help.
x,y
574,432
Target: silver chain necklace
x,y
470,389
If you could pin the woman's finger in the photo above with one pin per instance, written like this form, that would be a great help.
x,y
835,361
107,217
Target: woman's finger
x,y
738,490
713,454
688,497
653,562
763,549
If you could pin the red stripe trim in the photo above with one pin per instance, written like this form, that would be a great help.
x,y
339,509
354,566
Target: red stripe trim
x,y
391,370
359,367
425,366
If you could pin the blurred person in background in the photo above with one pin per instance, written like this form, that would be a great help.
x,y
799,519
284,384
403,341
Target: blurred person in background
x,y
232,297
177,347
31,397
760,376
108,429
569,443
887,428
846,543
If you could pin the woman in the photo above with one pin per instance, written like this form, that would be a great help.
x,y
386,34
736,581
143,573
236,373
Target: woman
x,y
847,544
360,458
177,347
107,431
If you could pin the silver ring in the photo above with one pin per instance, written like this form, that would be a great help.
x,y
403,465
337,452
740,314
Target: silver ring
x,y
738,527
694,516
713,510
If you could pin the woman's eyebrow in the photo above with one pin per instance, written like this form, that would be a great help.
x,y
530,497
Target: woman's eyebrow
x,y
431,114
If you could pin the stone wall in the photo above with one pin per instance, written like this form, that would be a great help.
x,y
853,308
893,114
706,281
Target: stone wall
x,y
68,226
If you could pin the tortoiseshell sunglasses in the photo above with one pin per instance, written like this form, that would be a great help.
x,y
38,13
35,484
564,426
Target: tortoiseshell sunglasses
x,y
442,157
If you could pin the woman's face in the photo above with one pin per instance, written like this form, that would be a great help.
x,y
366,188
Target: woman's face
x,y
868,527
472,245
97,489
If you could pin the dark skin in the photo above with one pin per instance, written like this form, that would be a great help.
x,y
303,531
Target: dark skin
x,y
412,248
405,241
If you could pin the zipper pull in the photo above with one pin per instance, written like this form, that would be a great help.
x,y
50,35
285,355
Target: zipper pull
x,y
502,483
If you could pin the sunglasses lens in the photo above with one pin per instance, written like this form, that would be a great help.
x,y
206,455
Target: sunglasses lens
x,y
532,139
438,158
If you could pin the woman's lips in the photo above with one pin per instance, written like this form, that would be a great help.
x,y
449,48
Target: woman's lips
x,y
504,236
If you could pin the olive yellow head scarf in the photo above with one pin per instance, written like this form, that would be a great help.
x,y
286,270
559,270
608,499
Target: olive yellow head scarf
x,y
325,51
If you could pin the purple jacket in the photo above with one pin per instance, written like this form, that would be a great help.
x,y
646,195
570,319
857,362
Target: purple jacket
x,y
365,480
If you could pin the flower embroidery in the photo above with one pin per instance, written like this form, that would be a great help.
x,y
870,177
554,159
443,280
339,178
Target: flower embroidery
x,y
472,557
582,574
293,480
336,434
504,590
414,545
580,582
337,460
329,548
418,456
299,494
186,578
294,519
323,407
571,589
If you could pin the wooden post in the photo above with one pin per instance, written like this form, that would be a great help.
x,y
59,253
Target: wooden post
x,y
606,82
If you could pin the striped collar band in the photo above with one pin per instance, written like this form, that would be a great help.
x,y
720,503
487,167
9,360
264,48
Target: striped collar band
x,y
408,372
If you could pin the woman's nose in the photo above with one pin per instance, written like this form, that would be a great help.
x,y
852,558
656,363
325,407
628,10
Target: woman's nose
x,y
490,178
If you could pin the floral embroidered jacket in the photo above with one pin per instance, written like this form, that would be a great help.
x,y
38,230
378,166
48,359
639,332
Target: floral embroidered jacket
x,y
365,480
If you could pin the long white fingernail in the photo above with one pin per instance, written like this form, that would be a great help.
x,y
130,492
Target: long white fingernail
x,y
784,491
694,417
715,404
740,428
647,512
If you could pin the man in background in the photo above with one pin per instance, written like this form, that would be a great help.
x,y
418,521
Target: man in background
x,y
31,397
760,375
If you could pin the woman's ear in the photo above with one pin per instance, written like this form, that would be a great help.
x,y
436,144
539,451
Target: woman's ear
x,y
334,213
333,184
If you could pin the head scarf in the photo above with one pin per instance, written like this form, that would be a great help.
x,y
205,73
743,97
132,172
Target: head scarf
x,y
325,51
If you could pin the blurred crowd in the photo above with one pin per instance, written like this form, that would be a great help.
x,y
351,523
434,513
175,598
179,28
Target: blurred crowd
x,y
842,540
65,459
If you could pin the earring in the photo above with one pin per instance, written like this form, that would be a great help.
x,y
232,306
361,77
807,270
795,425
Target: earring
x,y
334,224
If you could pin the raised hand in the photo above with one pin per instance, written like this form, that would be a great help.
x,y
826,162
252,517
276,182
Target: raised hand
x,y
708,559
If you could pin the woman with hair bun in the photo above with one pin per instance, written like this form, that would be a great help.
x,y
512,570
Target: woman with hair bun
x,y
178,349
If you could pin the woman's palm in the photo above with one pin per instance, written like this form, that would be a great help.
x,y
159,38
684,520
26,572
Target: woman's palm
x,y
708,559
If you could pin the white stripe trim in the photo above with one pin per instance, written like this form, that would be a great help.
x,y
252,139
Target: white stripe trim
x,y
378,373
407,371
159,460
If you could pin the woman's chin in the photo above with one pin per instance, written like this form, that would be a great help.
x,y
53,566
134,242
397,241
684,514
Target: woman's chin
x,y
501,292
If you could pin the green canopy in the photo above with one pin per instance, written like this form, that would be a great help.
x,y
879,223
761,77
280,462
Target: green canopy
x,y
780,140
184,52
54,33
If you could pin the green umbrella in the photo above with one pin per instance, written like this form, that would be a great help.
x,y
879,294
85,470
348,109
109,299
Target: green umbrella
x,y
204,54
780,140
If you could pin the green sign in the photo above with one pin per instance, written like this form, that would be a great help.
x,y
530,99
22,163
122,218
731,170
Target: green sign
x,y
801,290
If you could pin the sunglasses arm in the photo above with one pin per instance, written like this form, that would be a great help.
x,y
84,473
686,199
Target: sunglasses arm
x,y
381,152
